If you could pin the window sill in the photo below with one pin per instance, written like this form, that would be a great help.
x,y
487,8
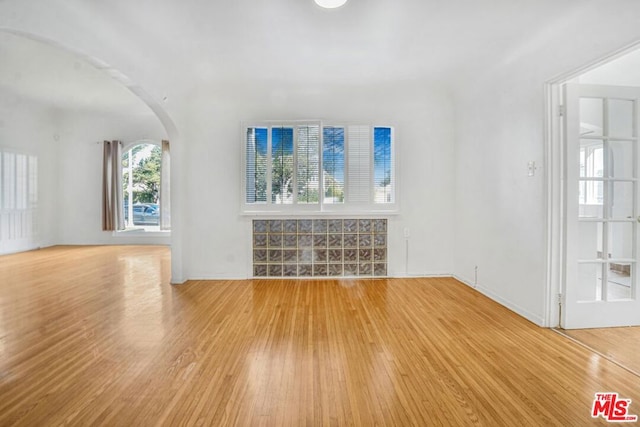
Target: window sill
x,y
323,214
142,233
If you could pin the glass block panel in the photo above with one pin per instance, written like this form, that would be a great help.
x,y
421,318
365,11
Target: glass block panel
x,y
260,270
335,240
319,226
290,256
319,241
351,269
364,255
335,255
305,240
335,269
275,270
591,116
380,240
619,281
621,196
320,255
320,269
350,255
350,240
290,270
621,240
335,226
364,225
305,255
621,155
590,281
260,240
305,226
291,248
275,240
365,269
290,240
365,240
350,225
590,243
380,269
275,226
259,255
290,226
305,270
380,225
275,255
259,226
620,118
380,255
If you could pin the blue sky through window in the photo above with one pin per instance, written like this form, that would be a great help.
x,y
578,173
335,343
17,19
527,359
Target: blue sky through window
x,y
381,153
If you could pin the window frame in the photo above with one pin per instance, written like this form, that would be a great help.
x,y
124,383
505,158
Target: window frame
x,y
320,208
139,230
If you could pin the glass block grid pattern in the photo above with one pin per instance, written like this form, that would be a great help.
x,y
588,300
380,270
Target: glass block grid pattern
x,y
319,247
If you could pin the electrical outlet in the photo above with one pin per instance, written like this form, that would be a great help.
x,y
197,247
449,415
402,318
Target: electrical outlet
x,y
406,232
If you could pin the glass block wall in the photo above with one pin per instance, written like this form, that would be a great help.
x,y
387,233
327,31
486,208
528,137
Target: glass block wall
x,y
319,247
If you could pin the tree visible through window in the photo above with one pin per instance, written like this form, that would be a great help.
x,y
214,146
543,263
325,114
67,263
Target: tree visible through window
x,y
141,168
315,166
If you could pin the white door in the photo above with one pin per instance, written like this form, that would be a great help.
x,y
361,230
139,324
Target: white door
x,y
601,207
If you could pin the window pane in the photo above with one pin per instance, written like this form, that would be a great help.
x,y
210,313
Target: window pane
x,y
591,116
382,165
282,165
333,165
621,159
256,165
591,158
621,118
308,166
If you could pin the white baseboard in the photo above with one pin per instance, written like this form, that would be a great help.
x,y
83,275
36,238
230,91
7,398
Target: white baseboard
x,y
538,320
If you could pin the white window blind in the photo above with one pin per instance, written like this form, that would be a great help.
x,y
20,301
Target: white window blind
x,y
256,165
308,164
333,164
359,164
307,167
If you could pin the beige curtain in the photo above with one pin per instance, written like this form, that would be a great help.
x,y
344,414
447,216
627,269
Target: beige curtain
x,y
112,216
165,187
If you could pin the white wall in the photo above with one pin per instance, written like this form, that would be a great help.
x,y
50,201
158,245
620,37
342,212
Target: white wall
x,y
217,238
80,172
500,212
29,128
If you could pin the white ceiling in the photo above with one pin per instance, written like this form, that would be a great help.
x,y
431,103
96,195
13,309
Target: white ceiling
x,y
45,74
364,42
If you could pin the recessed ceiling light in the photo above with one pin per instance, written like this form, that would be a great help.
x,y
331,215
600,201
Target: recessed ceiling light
x,y
330,4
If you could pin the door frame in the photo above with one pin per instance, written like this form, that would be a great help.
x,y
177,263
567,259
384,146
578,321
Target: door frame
x,y
555,174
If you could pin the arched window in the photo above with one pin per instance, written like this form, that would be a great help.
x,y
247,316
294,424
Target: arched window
x,y
141,186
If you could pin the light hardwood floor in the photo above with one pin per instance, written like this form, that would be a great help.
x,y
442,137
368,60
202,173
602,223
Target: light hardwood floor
x,y
621,345
96,335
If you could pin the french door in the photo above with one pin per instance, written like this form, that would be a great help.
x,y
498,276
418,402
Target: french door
x,y
601,207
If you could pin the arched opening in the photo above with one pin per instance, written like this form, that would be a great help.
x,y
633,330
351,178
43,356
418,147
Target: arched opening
x,y
58,106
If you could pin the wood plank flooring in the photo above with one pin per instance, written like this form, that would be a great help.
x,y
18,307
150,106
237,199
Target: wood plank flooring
x,y
621,345
97,336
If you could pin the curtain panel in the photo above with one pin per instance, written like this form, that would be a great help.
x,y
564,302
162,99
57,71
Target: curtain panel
x,y
165,186
112,215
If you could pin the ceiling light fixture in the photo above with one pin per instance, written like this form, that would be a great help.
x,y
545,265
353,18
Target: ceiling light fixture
x,y
330,4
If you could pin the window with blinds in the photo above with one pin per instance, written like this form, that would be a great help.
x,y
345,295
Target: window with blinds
x,y
314,168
